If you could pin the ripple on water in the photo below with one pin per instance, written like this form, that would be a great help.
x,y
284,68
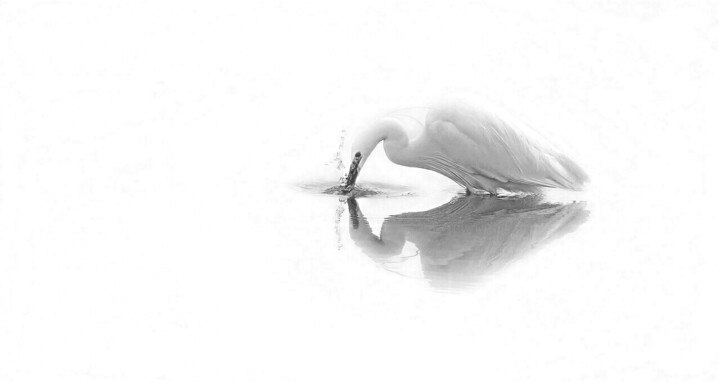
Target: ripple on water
x,y
357,191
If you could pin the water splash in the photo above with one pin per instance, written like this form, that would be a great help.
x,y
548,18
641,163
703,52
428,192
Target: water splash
x,y
337,159
372,189
338,217
352,191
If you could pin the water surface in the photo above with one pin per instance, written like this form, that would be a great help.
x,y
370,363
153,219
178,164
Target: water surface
x,y
469,236
451,246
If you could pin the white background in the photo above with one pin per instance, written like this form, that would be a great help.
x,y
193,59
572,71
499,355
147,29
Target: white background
x,y
151,227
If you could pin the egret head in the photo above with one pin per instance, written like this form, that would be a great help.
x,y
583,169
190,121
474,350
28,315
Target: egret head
x,y
386,129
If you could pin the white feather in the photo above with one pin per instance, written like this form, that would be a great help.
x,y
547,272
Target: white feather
x,y
477,148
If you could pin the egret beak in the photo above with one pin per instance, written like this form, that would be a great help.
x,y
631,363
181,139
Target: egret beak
x,y
353,172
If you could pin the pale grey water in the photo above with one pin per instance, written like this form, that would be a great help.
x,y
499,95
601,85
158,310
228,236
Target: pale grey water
x,y
555,282
152,228
273,283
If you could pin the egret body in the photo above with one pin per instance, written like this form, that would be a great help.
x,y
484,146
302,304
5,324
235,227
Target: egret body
x,y
477,149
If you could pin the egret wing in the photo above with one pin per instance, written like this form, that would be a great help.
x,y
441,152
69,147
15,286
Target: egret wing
x,y
483,143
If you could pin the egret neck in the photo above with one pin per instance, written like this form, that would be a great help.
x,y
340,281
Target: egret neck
x,y
395,143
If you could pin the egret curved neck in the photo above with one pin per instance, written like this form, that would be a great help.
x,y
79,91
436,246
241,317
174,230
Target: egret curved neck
x,y
387,129
396,144
391,130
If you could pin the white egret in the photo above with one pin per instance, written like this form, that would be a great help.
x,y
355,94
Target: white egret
x,y
476,148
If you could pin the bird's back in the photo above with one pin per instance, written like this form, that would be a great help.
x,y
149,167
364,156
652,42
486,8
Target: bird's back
x,y
480,149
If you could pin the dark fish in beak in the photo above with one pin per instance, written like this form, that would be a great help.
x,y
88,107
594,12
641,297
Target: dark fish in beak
x,y
353,172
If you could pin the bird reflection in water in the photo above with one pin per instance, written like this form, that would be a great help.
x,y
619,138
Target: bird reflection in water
x,y
468,237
